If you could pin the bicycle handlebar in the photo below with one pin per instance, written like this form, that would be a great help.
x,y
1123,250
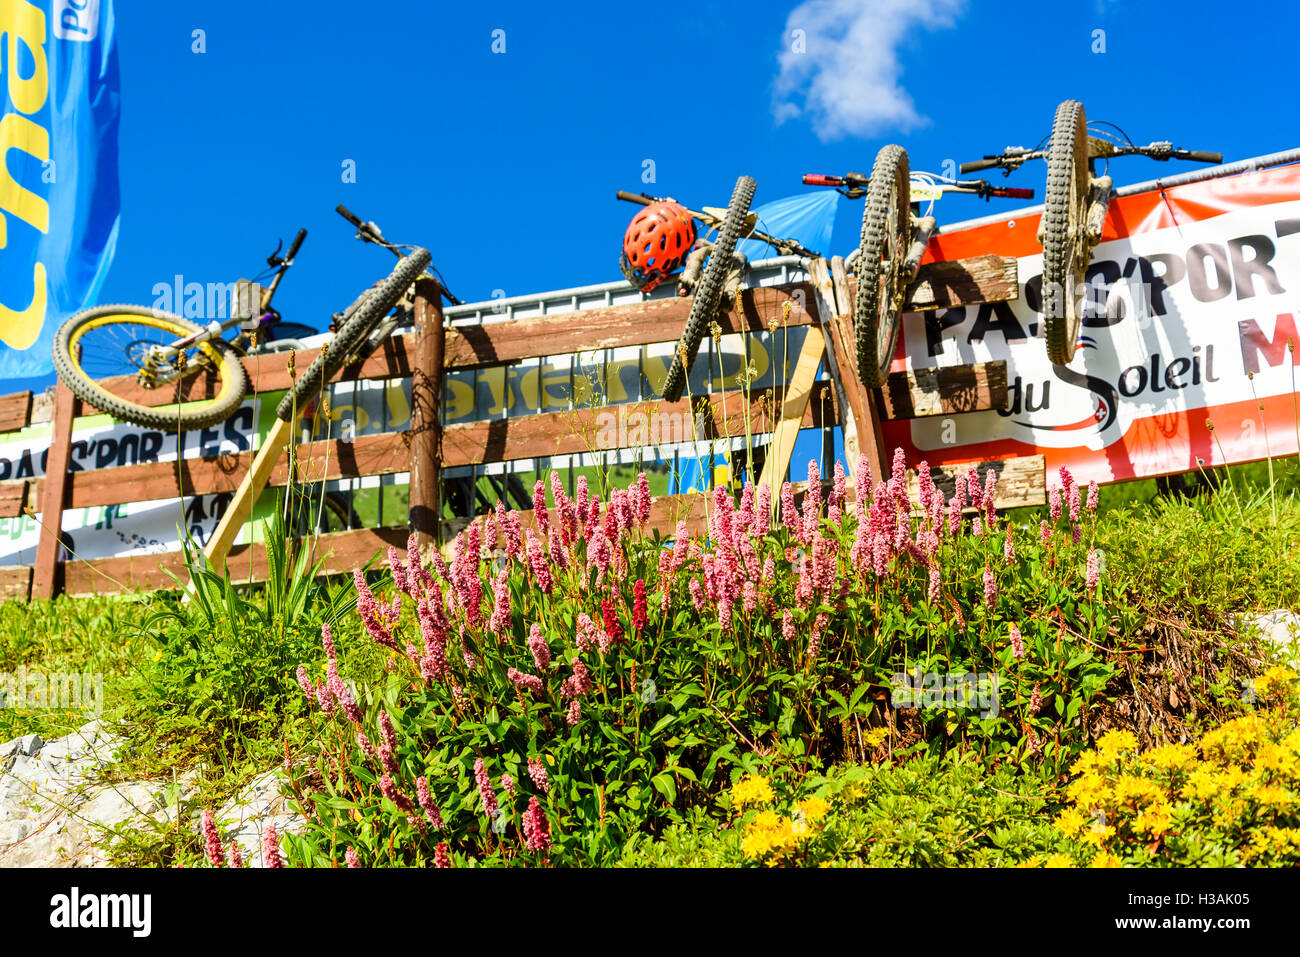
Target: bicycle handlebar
x,y
297,244
821,179
1200,156
369,232
976,165
350,216
639,198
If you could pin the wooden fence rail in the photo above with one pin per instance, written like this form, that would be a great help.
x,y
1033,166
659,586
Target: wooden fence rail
x,y
823,303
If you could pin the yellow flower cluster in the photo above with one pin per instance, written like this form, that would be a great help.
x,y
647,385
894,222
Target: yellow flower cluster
x,y
875,738
751,789
1243,780
772,835
1276,684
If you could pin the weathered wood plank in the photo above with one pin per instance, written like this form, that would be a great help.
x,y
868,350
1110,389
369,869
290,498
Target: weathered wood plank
x,y
15,411
341,551
947,390
45,577
14,497
250,487
388,453
15,582
382,454
960,282
659,320
1022,481
656,320
963,282
266,373
42,408
793,408
628,425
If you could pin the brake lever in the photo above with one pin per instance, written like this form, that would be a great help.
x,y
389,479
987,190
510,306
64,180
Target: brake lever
x,y
274,260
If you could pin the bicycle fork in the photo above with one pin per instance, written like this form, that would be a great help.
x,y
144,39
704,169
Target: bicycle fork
x,y
923,229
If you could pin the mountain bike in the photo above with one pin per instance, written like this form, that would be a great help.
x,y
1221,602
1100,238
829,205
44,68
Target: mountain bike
x,y
109,354
1074,208
894,238
713,270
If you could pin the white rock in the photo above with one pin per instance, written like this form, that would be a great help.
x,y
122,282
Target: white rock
x,y
1280,627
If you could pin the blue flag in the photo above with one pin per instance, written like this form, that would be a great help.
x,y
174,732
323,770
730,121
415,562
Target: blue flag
x,y
59,197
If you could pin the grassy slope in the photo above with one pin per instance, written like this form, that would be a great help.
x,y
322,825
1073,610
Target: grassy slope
x,y
1235,553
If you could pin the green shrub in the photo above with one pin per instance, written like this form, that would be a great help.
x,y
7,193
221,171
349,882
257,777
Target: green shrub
x,y
643,678
933,811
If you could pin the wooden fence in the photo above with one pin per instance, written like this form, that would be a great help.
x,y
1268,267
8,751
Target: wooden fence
x,y
823,304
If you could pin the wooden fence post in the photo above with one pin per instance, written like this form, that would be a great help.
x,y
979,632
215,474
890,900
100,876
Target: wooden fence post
x,y
46,578
862,401
426,415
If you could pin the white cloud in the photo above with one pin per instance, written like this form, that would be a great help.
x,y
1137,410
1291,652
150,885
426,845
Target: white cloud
x,y
847,80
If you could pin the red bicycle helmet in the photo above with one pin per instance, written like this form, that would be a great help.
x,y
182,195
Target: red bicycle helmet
x,y
656,243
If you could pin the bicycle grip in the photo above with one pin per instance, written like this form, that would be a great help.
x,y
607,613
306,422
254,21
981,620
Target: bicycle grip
x,y
347,214
1011,192
634,198
821,179
297,244
976,165
1201,156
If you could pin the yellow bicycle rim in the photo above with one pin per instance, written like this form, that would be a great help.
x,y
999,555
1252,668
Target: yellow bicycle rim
x,y
153,322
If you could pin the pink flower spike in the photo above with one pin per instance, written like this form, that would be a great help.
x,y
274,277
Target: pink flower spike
x,y
426,803
212,840
540,515
442,856
525,681
990,588
501,620
1009,547
350,856
537,829
762,511
236,855
271,848
789,514
1094,495
1094,570
327,640
537,771
538,646
485,791
1017,642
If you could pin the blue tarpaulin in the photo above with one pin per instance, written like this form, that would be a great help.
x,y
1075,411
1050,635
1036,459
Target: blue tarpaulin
x,y
808,218
59,197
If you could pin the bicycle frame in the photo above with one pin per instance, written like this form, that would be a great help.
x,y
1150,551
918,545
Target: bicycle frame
x,y
162,355
786,247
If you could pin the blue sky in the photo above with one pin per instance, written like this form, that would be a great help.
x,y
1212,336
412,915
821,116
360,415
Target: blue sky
x,y
504,164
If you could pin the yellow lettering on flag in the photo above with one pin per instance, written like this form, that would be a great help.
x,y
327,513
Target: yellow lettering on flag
x,y
19,329
18,132
20,20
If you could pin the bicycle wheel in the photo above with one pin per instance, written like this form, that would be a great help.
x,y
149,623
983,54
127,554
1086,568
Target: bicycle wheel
x,y
1065,247
886,233
366,313
708,292
99,354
